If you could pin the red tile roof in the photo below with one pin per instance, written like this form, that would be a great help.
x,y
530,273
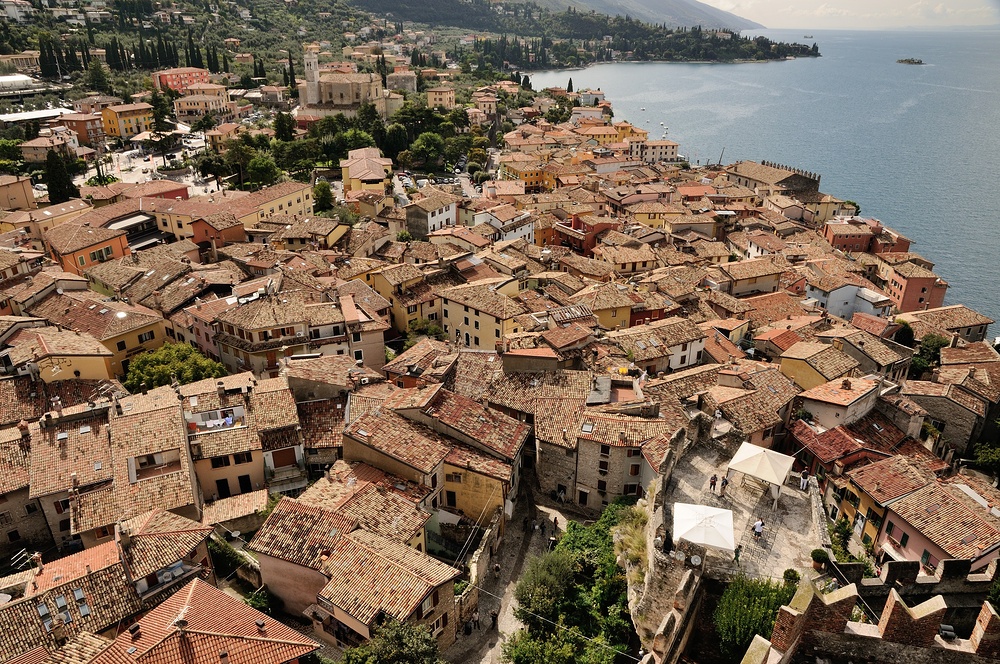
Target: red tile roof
x,y
214,622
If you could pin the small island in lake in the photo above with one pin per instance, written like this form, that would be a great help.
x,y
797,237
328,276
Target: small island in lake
x,y
910,61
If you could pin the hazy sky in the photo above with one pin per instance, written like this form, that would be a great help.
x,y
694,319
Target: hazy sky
x,y
860,14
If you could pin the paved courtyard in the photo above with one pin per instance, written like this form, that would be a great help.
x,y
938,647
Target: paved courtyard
x,y
790,532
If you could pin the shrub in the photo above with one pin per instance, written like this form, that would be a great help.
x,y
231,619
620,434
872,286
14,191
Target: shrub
x,y
820,556
791,576
748,607
460,587
225,559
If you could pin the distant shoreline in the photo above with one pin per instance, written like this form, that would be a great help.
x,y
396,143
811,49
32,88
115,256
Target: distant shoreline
x,y
587,66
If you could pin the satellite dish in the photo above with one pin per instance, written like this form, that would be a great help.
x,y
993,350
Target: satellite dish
x,y
59,291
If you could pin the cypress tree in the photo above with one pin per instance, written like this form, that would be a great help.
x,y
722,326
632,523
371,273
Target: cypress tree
x,y
61,187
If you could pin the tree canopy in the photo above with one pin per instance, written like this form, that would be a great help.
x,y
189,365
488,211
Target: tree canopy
x,y
170,361
396,643
60,182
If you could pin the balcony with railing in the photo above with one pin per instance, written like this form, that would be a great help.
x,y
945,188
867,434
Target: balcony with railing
x,y
211,421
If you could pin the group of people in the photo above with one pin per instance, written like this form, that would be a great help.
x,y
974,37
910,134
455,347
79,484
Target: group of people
x,y
714,481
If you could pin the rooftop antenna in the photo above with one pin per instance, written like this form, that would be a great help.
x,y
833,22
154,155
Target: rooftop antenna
x,y
720,155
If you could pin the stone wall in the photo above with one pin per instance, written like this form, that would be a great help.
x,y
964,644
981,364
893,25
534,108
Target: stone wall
x,y
479,567
963,592
816,627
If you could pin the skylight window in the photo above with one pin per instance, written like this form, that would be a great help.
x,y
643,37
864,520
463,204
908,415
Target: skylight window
x,y
588,427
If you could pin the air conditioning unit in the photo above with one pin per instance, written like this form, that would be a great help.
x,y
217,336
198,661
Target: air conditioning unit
x,y
167,577
365,381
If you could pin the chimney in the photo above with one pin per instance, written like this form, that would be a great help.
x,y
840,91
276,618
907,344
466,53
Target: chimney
x,y
220,387
144,389
224,657
135,631
846,385
260,626
36,559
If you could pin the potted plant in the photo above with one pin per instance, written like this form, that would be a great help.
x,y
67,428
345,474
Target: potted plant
x,y
819,557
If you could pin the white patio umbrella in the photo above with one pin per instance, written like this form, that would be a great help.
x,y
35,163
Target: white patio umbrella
x,y
704,525
764,464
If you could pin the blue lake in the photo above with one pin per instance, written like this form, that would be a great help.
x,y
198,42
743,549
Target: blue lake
x,y
917,146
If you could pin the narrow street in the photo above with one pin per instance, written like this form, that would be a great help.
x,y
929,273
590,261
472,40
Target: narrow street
x,y
483,646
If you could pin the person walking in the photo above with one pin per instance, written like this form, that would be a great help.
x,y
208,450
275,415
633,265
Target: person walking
x,y
804,480
542,527
736,554
496,570
475,618
758,529
712,481
555,524
493,618
723,485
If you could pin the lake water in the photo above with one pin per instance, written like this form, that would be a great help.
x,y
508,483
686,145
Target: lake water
x,y
916,146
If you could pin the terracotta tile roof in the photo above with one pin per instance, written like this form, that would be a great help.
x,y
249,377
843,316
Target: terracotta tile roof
x,y
81,447
159,539
374,507
234,507
880,327
39,342
973,353
502,435
341,370
774,308
87,312
81,649
835,393
470,458
215,623
783,339
322,423
952,318
654,340
603,296
105,589
482,296
473,372
888,479
371,575
824,358
14,462
39,655
419,358
571,335
73,236
683,384
171,488
954,393
750,269
827,446
950,519
405,441
522,393
619,430
272,404
300,533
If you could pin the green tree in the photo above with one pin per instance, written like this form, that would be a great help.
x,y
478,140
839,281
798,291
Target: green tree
x,y
263,171
569,86
322,196
427,148
169,362
542,590
395,141
205,123
97,77
61,187
904,335
396,642
284,125
748,607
